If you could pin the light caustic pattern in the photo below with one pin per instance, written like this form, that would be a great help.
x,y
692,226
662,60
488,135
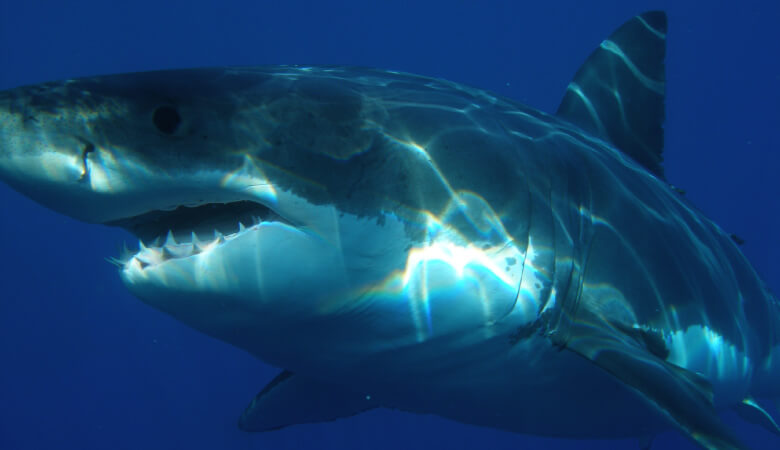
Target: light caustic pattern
x,y
448,274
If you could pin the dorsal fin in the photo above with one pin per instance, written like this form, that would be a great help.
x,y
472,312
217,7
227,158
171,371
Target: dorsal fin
x,y
618,94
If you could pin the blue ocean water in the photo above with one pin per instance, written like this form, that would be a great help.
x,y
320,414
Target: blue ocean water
x,y
84,365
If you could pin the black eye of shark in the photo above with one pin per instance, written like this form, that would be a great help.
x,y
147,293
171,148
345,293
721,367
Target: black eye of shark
x,y
203,220
166,119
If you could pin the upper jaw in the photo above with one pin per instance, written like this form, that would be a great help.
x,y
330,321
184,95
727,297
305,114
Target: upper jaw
x,y
204,220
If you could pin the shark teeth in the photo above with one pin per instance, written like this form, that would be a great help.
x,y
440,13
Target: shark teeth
x,y
154,253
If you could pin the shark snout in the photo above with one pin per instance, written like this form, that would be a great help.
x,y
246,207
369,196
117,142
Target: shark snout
x,y
45,166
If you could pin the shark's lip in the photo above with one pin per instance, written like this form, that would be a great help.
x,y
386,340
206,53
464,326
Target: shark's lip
x,y
189,230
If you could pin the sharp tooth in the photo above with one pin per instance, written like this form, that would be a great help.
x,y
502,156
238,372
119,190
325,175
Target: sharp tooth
x,y
241,227
197,246
167,254
218,237
135,264
141,245
169,240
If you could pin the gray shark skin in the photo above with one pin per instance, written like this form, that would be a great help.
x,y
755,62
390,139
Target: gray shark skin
x,y
391,240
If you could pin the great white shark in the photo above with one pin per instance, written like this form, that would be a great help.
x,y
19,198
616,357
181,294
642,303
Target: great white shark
x,y
392,240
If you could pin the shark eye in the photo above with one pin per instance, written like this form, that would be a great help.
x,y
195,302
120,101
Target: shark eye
x,y
166,119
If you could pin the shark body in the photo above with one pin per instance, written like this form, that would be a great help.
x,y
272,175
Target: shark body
x,y
392,240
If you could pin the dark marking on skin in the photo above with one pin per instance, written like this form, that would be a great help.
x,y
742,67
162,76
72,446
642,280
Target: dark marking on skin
x,y
511,261
652,341
738,240
525,332
88,148
655,344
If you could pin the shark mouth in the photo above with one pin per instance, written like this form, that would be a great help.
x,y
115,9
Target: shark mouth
x,y
185,231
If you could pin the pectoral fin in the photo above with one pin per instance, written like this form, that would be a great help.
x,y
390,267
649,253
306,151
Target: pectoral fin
x,y
682,396
752,412
291,399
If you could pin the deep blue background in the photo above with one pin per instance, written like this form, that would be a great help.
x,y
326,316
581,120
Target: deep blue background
x,y
84,365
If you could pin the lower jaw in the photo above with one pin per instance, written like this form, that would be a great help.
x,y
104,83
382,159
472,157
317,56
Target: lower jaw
x,y
265,254
254,282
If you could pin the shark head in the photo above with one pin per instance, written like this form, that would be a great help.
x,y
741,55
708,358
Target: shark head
x,y
275,202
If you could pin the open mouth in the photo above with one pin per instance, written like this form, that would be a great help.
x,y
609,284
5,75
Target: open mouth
x,y
185,231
